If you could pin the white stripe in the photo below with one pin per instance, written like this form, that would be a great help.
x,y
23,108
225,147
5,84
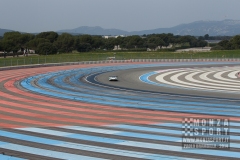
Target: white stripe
x,y
233,74
189,77
47,153
218,76
218,83
89,129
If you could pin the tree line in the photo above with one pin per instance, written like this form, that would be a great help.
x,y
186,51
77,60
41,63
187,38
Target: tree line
x,y
52,42
232,44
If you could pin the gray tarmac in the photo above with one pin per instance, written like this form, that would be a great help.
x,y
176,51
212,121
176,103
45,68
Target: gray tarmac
x,y
130,79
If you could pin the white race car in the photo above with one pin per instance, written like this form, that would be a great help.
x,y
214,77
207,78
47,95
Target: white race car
x,y
113,78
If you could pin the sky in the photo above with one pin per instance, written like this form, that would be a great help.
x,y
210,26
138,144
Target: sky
x,y
129,15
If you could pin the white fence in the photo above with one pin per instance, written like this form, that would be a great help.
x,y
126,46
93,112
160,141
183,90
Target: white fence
x,y
122,61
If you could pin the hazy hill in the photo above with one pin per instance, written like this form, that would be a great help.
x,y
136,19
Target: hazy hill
x,y
94,31
199,28
2,31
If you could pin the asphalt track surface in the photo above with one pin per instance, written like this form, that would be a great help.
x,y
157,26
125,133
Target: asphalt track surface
x,y
74,112
129,79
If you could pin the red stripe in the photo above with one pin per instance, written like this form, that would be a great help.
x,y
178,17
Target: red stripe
x,y
156,113
154,116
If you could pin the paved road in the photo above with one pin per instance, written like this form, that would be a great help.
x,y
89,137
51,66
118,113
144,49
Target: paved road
x,y
63,113
129,79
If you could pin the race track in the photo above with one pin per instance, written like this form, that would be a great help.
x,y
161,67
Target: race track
x,y
74,112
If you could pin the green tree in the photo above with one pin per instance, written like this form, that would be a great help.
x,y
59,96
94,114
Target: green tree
x,y
1,46
206,37
109,43
157,41
84,47
65,43
9,45
84,43
176,40
33,44
225,44
25,38
151,45
167,38
97,42
46,48
235,42
202,43
86,39
136,41
51,36
12,41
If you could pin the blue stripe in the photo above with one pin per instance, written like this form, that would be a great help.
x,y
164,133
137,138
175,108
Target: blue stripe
x,y
126,134
179,125
145,78
131,134
6,157
149,129
137,128
179,149
83,147
87,93
75,80
119,102
95,138
47,153
125,101
151,145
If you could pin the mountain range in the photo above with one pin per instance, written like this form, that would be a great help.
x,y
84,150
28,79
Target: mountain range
x,y
199,28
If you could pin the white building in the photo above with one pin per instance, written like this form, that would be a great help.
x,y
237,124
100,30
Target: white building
x,y
117,47
107,37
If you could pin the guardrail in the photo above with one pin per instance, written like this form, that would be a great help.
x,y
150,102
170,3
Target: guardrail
x,y
121,61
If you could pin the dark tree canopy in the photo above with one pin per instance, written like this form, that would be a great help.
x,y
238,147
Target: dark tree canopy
x,y
66,43
46,48
84,47
206,37
33,44
51,36
233,43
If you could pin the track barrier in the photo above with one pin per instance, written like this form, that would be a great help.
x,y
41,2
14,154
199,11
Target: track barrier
x,y
121,61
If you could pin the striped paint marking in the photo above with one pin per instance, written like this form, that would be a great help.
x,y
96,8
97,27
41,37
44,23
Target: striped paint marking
x,y
133,143
132,131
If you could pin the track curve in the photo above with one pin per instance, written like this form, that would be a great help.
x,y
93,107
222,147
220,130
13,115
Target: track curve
x,y
71,112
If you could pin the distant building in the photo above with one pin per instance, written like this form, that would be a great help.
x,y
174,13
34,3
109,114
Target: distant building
x,y
164,47
158,47
213,41
29,51
117,47
107,37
